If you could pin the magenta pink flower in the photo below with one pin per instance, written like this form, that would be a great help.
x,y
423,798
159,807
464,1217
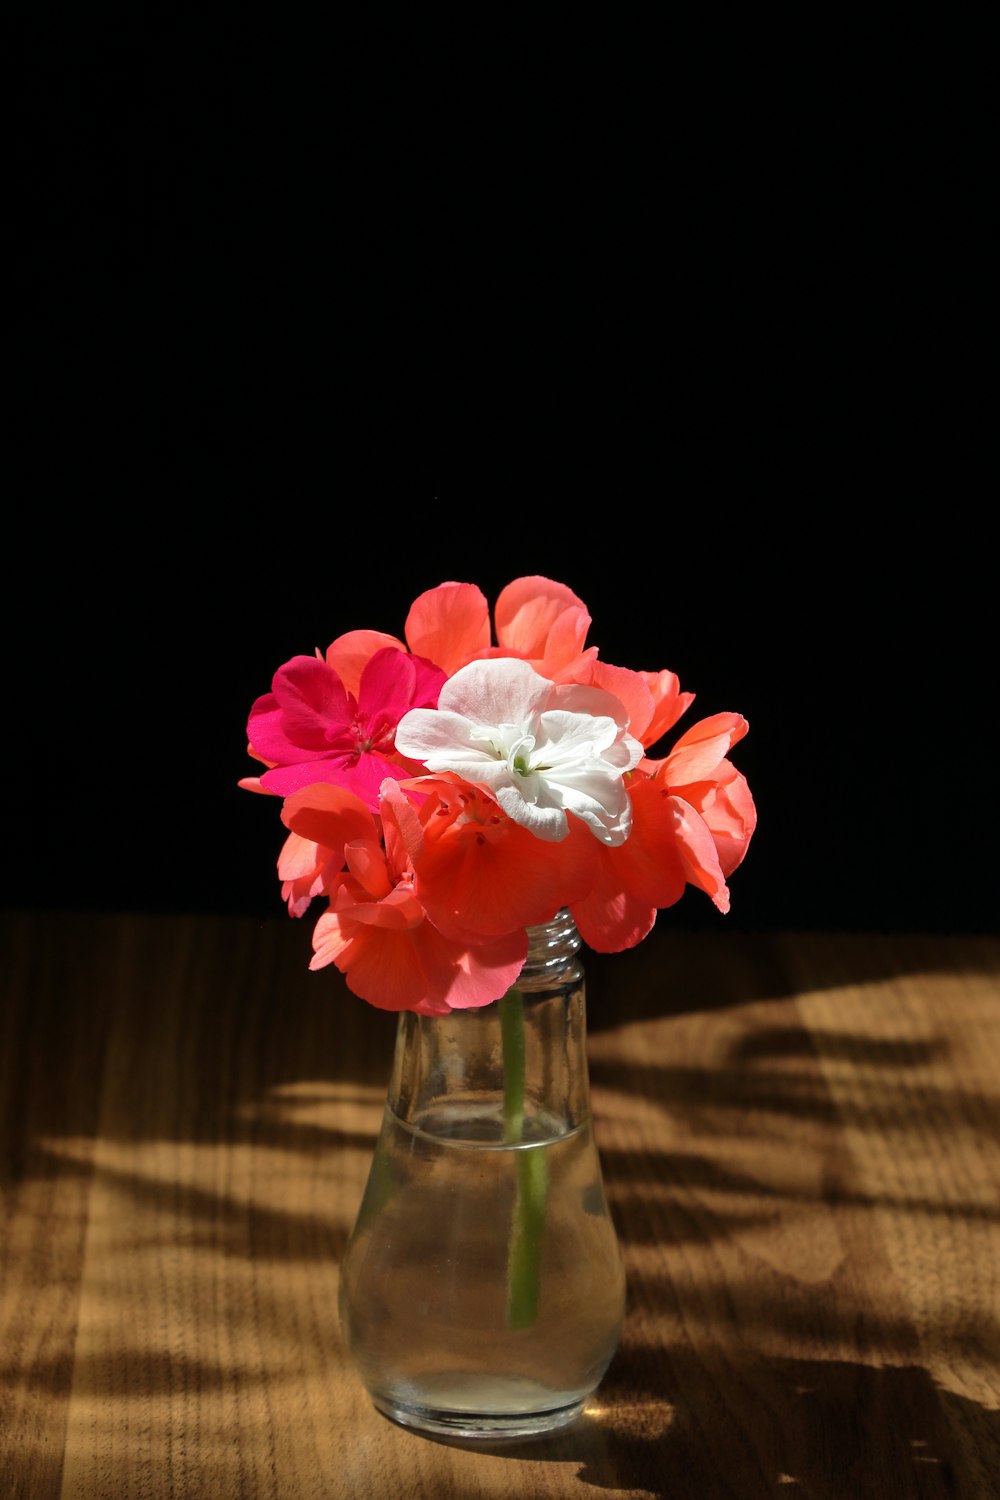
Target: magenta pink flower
x,y
309,728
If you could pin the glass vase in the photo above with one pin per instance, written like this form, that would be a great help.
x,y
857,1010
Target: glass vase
x,y
482,1289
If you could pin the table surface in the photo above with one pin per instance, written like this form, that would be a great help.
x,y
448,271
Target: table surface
x,y
799,1137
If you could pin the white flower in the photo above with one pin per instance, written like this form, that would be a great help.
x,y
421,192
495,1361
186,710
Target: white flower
x,y
542,750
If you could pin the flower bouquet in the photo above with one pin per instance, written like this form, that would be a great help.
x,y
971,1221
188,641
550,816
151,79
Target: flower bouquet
x,y
450,796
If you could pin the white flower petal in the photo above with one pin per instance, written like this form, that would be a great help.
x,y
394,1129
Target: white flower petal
x,y
424,732
612,832
544,751
497,691
608,817
569,735
548,823
626,754
593,786
489,773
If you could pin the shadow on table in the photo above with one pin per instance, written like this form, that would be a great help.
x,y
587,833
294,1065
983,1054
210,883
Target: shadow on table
x,y
831,1430
152,1031
146,1027
677,972
157,1029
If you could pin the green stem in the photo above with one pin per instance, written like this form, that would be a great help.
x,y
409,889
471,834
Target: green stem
x,y
512,1036
531,1184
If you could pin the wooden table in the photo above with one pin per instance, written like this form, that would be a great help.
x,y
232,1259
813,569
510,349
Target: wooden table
x,y
801,1145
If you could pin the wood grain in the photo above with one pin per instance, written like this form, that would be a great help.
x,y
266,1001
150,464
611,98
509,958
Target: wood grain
x,y
801,1144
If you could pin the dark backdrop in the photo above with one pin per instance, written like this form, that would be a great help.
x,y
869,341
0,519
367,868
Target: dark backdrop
x,y
310,319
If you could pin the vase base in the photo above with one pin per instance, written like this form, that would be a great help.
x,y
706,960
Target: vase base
x,y
484,1425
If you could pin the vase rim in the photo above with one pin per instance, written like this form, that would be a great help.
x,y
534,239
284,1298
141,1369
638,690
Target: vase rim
x,y
553,942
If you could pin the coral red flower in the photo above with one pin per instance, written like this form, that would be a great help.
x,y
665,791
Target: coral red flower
x,y
447,791
375,930
713,787
690,812
478,873
323,819
537,620
545,624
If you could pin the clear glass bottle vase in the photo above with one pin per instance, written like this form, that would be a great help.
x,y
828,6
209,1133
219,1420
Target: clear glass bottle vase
x,y
482,1289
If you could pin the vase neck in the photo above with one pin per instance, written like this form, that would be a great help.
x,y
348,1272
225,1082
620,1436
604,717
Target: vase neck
x,y
451,1073
552,954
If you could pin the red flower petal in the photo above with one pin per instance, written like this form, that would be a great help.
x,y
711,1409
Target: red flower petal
x,y
329,815
700,750
537,617
449,625
479,874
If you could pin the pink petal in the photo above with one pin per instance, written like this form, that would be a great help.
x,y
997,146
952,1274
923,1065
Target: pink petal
x,y
329,769
428,683
269,741
313,702
393,682
364,775
386,689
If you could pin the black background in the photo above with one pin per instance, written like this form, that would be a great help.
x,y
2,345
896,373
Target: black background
x,y
312,315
